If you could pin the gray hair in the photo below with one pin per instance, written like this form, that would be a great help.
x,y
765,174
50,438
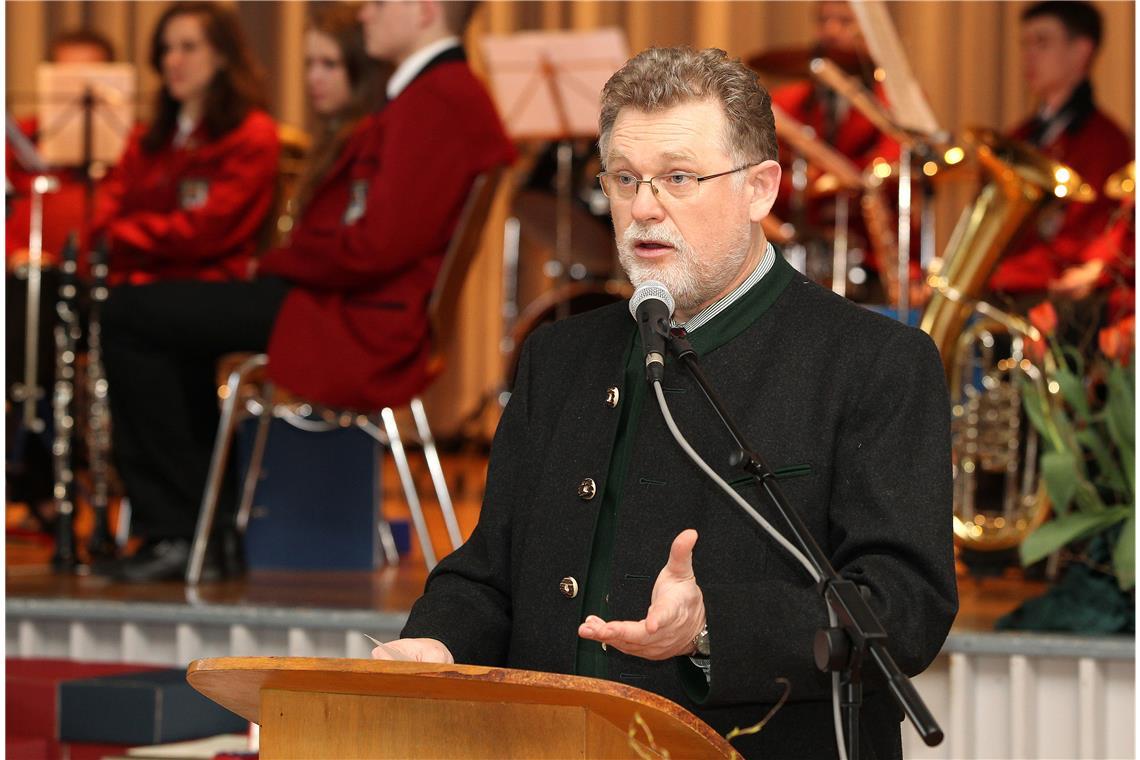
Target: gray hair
x,y
660,78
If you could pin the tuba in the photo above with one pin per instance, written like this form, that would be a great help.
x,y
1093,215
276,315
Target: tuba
x,y
998,496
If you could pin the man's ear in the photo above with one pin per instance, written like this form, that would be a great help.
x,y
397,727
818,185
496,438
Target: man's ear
x,y
430,12
1083,53
764,183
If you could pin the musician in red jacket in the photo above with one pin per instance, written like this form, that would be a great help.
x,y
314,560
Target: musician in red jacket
x,y
342,307
194,188
1054,257
837,124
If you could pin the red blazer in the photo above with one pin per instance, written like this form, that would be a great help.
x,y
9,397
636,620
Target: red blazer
x,y
1094,150
855,136
192,212
64,210
365,254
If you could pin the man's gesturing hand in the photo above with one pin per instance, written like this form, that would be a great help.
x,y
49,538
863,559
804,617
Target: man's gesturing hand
x,y
676,612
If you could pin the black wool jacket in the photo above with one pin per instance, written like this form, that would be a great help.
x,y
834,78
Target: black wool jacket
x,y
851,404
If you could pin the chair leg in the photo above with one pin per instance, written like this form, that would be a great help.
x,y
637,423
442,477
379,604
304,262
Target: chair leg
x,y
383,527
123,528
401,459
436,469
387,540
256,458
217,469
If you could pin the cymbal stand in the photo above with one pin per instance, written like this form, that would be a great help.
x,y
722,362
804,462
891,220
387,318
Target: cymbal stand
x,y
796,250
28,393
840,244
904,233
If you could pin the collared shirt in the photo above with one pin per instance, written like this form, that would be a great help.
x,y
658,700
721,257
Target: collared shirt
x,y
407,71
709,313
186,127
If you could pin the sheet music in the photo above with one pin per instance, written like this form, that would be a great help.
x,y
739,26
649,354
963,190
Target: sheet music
x,y
908,103
60,90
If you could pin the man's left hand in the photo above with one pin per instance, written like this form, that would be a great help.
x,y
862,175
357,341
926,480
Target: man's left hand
x,y
1077,282
676,611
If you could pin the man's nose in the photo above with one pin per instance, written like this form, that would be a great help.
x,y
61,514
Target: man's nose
x,y
646,205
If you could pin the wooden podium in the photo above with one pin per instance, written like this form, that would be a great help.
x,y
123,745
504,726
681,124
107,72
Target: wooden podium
x,y
335,708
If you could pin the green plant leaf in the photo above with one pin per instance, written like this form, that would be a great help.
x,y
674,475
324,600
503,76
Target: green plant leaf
x,y
1068,528
1087,498
1074,359
1110,469
1073,391
1036,409
1059,468
1119,417
1124,555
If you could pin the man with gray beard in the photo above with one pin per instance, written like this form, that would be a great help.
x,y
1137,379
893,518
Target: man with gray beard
x,y
601,550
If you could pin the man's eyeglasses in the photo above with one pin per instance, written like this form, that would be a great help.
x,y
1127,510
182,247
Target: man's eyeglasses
x,y
680,185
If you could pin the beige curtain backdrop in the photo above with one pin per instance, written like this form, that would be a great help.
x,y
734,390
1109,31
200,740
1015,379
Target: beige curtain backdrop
x,y
964,54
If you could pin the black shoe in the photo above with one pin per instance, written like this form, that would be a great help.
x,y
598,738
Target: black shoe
x,y
164,560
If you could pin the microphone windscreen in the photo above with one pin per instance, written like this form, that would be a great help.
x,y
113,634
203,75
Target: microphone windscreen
x,y
650,289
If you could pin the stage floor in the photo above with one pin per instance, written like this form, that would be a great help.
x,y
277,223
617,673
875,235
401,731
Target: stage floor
x,y
371,602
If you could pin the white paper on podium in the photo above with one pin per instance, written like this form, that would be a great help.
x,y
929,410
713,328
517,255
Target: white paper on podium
x,y
548,85
908,103
60,91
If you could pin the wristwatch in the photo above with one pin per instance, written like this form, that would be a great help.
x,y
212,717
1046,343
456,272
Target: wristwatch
x,y
701,642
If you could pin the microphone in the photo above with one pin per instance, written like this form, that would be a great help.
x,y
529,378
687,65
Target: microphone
x,y
651,307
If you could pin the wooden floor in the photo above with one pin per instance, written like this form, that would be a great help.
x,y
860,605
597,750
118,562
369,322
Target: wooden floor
x,y
29,573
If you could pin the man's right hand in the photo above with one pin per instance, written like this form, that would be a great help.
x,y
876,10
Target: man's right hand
x,y
414,650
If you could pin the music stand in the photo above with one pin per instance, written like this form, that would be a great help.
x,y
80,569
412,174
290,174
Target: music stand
x,y
547,86
912,114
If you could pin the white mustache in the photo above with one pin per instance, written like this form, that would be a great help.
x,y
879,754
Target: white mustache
x,y
660,233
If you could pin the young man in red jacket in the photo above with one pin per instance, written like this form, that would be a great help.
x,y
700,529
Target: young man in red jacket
x,y
342,308
1053,258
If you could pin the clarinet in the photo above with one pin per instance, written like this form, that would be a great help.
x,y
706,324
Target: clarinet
x,y
101,545
66,333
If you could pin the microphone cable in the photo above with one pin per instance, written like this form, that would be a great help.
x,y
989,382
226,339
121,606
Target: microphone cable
x,y
771,531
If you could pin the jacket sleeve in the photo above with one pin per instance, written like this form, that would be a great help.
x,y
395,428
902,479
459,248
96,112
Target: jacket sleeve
x,y
241,194
889,530
467,601
413,202
113,188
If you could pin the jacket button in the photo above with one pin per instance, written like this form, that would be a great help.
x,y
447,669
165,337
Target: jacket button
x,y
569,587
587,489
612,396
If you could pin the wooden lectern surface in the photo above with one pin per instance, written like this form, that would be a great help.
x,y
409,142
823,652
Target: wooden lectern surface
x,y
446,709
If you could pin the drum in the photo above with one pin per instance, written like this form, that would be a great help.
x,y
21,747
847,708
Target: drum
x,y
592,254
572,297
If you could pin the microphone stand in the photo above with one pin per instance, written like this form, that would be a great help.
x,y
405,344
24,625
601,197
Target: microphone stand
x,y
843,649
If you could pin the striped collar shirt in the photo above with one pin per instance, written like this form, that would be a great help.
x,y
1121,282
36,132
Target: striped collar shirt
x,y
711,311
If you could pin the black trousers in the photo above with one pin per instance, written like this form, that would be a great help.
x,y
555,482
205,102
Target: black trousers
x,y
160,344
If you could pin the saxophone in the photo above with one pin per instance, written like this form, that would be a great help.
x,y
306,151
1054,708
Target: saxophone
x,y
998,495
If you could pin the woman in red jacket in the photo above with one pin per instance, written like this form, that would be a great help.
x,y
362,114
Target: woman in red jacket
x,y
161,340
194,188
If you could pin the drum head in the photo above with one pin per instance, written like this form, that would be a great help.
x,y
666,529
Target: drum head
x,y
566,300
